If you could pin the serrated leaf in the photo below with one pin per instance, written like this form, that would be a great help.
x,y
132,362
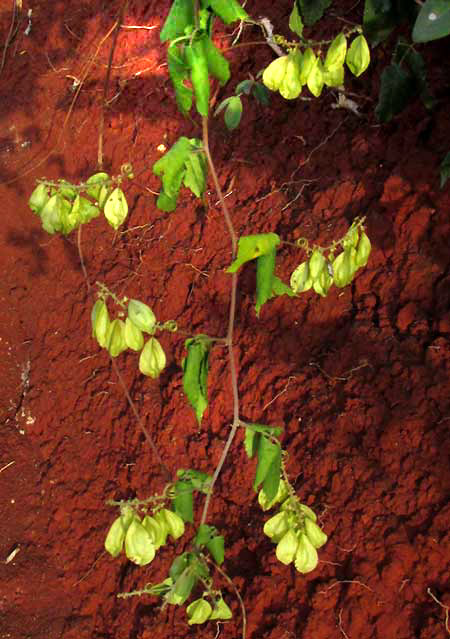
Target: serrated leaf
x,y
295,21
233,112
265,268
312,10
253,246
433,21
396,90
195,373
445,170
181,15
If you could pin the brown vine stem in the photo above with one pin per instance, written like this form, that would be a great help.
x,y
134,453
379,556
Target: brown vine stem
x,y
101,125
232,313
147,435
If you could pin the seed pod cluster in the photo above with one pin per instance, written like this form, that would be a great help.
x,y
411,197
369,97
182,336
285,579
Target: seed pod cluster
x,y
294,529
320,272
62,208
201,610
117,335
142,538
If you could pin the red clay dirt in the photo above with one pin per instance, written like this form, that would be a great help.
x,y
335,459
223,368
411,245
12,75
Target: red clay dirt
x,y
359,380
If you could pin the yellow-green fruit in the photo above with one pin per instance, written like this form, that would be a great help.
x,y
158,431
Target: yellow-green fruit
x,y
100,322
317,263
315,534
198,611
115,338
152,359
308,63
300,279
133,336
287,547
363,250
342,271
139,547
306,558
277,526
291,86
274,74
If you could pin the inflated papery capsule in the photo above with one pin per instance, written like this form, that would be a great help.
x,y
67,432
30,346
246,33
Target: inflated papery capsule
x,y
133,336
282,494
198,611
315,534
274,74
39,198
317,263
306,558
306,510
322,284
342,272
161,521
291,86
139,547
115,338
141,315
300,279
156,530
363,250
220,611
277,526
100,322
116,534
152,359
287,547
309,61
174,523
116,208
96,182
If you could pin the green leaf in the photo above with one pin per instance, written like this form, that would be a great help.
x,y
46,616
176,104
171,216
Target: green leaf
x,y
261,93
198,64
251,442
358,56
396,90
195,176
280,288
228,10
244,87
170,167
195,373
253,246
204,535
218,65
233,112
184,585
312,10
181,15
199,610
295,21
265,268
268,467
152,360
200,481
433,21
179,564
445,170
378,21
405,54
179,73
337,50
183,502
216,547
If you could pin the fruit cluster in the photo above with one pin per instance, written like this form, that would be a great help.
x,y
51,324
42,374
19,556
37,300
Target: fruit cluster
x,y
293,529
142,538
289,73
320,272
117,335
62,208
